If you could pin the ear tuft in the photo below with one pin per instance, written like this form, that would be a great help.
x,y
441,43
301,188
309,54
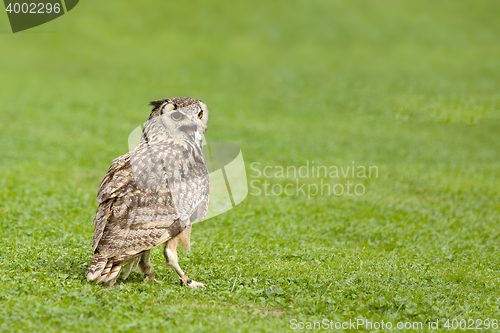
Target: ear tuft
x,y
158,103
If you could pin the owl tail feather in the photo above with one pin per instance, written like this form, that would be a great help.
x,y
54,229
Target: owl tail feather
x,y
96,266
110,273
106,270
103,270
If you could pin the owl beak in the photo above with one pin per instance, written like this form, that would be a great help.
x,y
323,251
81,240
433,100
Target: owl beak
x,y
189,129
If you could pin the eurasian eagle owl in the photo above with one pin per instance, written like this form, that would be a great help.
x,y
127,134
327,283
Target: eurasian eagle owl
x,y
152,194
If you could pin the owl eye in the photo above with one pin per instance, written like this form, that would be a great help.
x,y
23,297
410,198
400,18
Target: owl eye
x,y
177,116
200,115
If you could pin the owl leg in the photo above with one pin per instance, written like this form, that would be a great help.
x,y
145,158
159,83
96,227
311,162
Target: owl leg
x,y
145,266
171,258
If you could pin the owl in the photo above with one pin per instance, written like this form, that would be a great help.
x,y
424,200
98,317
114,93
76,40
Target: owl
x,y
152,195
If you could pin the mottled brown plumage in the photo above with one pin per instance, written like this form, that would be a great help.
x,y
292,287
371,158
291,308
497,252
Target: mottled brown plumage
x,y
152,194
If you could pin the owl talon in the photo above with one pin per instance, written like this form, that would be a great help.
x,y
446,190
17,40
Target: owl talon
x,y
190,283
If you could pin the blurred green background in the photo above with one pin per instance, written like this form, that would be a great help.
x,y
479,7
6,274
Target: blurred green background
x,y
409,86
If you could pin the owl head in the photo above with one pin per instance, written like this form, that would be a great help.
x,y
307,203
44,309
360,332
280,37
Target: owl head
x,y
179,118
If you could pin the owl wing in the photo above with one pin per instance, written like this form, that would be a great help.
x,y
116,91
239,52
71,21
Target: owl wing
x,y
144,192
201,211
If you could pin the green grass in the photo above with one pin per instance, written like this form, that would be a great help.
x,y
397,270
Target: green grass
x,y
411,87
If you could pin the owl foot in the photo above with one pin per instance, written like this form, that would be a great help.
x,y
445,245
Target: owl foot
x,y
184,280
